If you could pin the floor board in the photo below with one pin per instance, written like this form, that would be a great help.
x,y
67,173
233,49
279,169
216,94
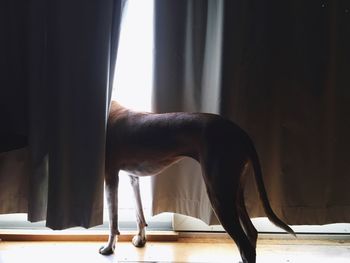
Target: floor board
x,y
185,250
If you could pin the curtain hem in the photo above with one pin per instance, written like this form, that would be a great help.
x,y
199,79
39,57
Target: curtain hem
x,y
193,208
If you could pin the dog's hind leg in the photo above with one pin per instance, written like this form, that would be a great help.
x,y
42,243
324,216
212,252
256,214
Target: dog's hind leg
x,y
245,219
231,224
222,180
243,213
229,218
111,188
140,239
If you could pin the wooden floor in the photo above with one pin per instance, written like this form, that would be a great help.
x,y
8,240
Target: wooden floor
x,y
184,250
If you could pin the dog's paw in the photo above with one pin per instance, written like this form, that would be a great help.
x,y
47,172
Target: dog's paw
x,y
106,250
139,241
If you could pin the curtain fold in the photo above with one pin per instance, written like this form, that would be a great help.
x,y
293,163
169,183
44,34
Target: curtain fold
x,y
188,47
55,91
279,70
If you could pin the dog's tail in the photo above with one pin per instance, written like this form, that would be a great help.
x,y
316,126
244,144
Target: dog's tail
x,y
263,195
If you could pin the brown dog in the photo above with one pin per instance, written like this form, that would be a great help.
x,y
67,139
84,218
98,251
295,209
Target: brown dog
x,y
145,144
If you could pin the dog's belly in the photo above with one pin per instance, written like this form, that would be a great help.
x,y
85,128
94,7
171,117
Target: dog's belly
x,y
148,167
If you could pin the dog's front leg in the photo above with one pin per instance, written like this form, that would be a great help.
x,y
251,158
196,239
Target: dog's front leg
x,y
140,239
111,188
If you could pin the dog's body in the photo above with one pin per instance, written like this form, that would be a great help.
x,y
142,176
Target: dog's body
x,y
146,143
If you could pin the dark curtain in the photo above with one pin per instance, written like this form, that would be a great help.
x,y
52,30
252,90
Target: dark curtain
x,y
57,65
280,70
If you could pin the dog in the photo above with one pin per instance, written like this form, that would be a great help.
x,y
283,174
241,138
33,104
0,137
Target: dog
x,y
147,143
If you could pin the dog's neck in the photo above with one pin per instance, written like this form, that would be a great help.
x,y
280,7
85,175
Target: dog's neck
x,y
117,110
115,105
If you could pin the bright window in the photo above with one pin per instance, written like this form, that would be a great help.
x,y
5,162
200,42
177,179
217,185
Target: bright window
x,y
133,89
